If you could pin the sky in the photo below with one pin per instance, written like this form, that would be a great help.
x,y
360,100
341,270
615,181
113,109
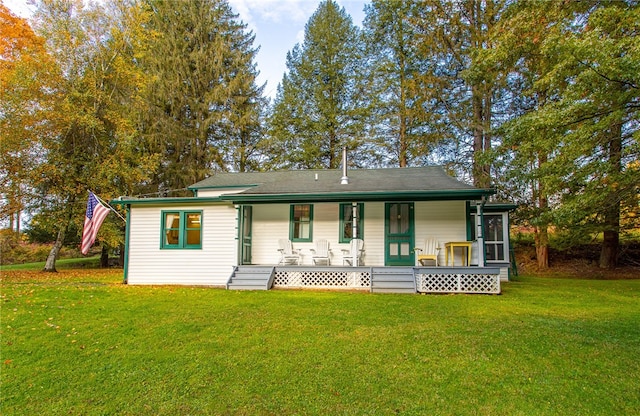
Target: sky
x,y
277,24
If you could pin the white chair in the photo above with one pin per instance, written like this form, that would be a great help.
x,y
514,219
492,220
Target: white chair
x,y
356,246
429,252
322,253
287,254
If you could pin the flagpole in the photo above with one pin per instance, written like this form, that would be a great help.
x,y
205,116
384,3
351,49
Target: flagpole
x,y
102,201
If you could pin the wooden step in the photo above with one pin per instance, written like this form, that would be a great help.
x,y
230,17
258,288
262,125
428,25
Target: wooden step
x,y
251,278
393,280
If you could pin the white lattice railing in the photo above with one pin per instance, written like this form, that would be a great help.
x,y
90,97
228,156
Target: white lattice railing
x,y
322,278
432,280
458,283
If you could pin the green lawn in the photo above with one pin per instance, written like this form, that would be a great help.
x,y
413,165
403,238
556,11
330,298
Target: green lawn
x,y
80,342
84,262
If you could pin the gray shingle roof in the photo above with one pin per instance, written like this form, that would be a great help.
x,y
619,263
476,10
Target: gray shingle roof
x,y
430,180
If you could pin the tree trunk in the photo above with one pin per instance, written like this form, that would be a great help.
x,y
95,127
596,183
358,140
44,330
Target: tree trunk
x,y
542,247
611,238
482,19
481,137
402,157
50,265
121,258
542,230
609,252
478,141
104,257
402,136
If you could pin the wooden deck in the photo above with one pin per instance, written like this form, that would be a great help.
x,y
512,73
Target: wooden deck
x,y
374,279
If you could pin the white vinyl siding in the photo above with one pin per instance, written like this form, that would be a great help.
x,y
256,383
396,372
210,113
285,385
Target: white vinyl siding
x,y
444,220
210,265
271,222
212,193
214,262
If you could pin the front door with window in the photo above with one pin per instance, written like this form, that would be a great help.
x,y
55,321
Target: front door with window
x,y
399,234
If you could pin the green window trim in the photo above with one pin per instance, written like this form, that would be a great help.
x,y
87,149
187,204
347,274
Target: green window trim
x,y
346,223
301,223
181,230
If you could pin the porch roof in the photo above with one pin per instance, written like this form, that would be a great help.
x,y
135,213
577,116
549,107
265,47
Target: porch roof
x,y
420,183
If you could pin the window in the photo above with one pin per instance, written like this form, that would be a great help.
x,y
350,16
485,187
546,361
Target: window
x,y
346,222
494,236
181,229
301,223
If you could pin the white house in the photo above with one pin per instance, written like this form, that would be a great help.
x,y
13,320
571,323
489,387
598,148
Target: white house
x,y
228,233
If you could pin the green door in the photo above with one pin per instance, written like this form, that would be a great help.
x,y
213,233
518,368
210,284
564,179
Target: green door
x,y
245,234
399,234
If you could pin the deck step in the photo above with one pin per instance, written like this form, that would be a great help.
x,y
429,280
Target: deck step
x,y
393,280
251,278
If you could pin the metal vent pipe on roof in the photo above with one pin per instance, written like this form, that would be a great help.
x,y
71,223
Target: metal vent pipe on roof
x,y
345,178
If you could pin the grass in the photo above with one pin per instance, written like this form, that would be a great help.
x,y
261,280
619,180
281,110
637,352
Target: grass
x,y
74,263
80,342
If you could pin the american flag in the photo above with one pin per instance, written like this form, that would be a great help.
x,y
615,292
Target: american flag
x,y
96,213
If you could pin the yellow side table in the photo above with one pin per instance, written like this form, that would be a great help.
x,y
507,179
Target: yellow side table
x,y
448,247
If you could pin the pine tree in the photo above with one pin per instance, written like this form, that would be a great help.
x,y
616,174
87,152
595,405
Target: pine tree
x,y
317,107
203,106
598,111
585,126
400,120
517,52
451,37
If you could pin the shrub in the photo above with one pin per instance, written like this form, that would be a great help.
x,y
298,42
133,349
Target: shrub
x,y
16,251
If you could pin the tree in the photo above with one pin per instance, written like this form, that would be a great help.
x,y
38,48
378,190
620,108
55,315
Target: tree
x,y
600,108
240,130
590,66
450,38
400,120
25,79
518,53
316,110
202,104
90,143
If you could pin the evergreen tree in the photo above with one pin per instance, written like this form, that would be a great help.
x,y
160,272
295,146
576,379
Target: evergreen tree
x,y
317,108
399,123
585,127
518,53
451,38
202,104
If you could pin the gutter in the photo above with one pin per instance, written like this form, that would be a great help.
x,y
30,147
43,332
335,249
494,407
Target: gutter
x,y
165,201
364,196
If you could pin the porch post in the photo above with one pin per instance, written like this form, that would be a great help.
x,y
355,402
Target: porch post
x,y
479,232
354,231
